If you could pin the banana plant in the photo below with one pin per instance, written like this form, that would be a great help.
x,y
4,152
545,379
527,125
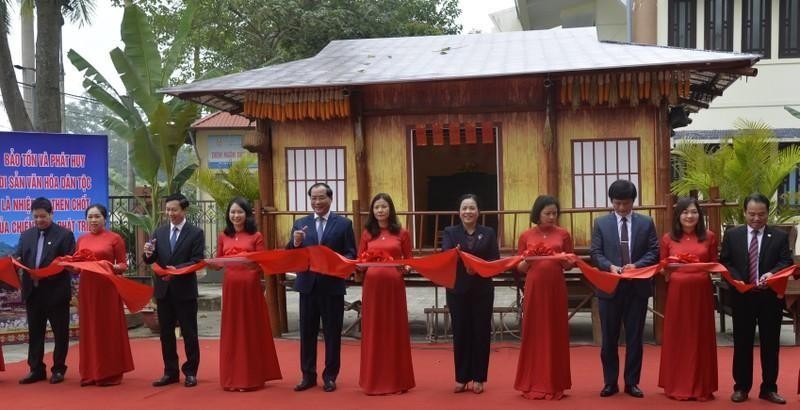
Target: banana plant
x,y
154,126
747,161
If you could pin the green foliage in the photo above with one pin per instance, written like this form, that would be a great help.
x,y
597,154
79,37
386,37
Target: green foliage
x,y
237,35
156,128
748,161
238,180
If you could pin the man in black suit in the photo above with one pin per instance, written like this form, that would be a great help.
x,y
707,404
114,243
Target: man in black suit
x,y
623,240
752,253
175,245
48,298
321,296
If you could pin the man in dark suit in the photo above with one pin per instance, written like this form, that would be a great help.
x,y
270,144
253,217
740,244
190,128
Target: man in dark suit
x,y
175,245
752,253
45,299
321,296
623,240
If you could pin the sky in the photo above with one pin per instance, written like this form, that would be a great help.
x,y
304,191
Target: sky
x,y
94,42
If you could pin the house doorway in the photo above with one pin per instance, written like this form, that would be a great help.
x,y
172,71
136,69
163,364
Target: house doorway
x,y
443,172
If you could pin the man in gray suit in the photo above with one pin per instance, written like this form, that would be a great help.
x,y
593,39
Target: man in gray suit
x,y
623,240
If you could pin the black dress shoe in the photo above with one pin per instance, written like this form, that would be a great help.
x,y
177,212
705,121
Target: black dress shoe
x,y
609,390
635,391
305,384
56,378
190,381
165,380
329,386
739,396
772,397
32,378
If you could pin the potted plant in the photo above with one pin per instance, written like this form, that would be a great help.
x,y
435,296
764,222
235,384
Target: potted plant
x,y
150,317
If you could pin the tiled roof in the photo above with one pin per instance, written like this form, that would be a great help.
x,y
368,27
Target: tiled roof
x,y
222,119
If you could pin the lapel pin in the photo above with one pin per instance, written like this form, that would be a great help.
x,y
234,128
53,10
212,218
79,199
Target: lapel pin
x,y
49,243
480,236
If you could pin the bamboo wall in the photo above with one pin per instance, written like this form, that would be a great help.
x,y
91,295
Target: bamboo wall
x,y
603,123
515,104
309,134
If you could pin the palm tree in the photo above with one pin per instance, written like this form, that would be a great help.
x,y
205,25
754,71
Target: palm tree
x,y
748,161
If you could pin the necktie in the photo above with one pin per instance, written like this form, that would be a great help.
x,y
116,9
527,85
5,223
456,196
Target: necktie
x,y
39,249
320,228
624,248
752,253
173,239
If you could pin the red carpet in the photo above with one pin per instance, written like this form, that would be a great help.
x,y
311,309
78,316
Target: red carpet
x,y
433,371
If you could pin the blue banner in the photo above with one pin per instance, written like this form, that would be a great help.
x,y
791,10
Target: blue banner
x,y
70,170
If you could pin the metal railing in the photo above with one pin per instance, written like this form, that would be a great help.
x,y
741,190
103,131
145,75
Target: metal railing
x,y
203,214
426,226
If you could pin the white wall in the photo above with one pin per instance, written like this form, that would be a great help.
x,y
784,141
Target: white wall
x,y
756,98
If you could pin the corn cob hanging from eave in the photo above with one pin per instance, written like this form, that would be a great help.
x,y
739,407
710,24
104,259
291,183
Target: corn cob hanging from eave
x,y
298,104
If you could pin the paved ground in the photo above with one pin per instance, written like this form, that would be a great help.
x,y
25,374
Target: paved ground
x,y
418,299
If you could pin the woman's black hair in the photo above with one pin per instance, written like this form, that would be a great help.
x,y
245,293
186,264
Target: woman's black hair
x,y
372,226
677,229
540,203
100,207
250,219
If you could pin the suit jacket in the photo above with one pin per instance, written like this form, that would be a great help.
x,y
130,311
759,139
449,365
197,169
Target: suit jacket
x,y
189,249
58,241
773,256
485,248
605,247
339,237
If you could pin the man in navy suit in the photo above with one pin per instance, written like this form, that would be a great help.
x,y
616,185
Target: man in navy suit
x,y
321,296
175,245
752,253
623,240
45,299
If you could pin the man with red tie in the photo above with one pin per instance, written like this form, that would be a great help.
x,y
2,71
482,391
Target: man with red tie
x,y
752,253
623,240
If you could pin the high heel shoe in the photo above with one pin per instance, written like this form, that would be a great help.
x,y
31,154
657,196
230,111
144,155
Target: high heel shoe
x,y
477,388
460,388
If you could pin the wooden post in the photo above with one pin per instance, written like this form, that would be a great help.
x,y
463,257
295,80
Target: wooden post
x,y
662,197
263,147
550,138
714,212
362,175
358,225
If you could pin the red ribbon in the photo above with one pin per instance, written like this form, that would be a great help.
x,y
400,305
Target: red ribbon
x,y
439,268
8,272
134,294
488,269
161,271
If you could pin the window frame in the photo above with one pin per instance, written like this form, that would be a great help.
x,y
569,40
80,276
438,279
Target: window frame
x,y
726,20
748,25
575,143
339,203
691,35
784,25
